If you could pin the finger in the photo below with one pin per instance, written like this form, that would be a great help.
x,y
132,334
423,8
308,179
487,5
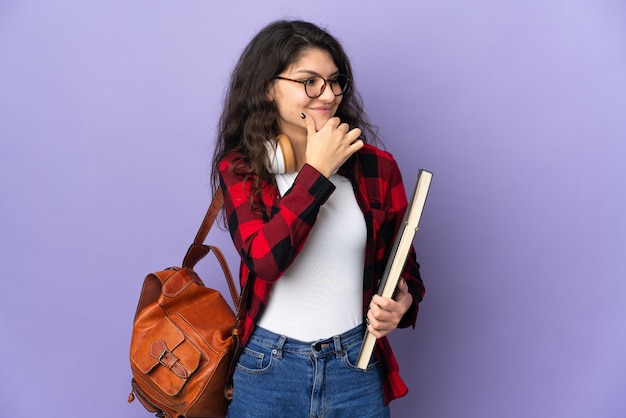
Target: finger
x,y
309,123
380,315
357,145
379,322
376,327
353,134
380,303
373,323
403,286
389,310
333,122
374,303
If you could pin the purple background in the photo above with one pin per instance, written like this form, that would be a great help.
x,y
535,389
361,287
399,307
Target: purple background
x,y
107,118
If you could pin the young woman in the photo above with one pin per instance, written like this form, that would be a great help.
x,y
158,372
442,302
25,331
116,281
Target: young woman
x,y
315,238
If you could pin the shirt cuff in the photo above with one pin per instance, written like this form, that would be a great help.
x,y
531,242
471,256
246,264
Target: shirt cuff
x,y
315,182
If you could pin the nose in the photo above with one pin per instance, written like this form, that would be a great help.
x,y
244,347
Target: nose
x,y
327,93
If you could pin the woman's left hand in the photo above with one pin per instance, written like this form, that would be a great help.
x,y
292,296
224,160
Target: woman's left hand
x,y
384,314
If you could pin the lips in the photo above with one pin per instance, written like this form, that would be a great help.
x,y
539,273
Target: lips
x,y
322,109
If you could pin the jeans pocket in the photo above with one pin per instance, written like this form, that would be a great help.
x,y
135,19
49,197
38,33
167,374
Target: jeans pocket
x,y
351,355
256,360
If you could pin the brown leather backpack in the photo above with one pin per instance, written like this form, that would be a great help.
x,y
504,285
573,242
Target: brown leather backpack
x,y
185,336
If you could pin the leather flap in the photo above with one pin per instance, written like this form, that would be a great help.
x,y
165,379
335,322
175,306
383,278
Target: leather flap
x,y
166,357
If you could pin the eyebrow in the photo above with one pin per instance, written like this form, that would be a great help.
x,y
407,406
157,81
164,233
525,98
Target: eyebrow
x,y
309,72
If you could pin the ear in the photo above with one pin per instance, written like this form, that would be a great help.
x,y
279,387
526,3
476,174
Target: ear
x,y
270,92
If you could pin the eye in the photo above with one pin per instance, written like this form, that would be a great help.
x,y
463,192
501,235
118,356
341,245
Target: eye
x,y
341,81
310,81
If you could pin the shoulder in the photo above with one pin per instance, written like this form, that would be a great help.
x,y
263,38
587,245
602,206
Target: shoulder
x,y
235,174
229,160
234,167
369,149
380,179
376,162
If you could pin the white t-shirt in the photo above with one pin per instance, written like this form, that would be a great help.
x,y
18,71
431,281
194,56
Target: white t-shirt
x,y
321,294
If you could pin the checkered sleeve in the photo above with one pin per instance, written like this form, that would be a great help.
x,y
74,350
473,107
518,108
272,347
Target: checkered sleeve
x,y
381,184
268,241
381,172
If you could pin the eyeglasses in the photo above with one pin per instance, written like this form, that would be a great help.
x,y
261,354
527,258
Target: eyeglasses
x,y
314,87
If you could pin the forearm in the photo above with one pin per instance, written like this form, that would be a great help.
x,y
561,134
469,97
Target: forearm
x,y
269,242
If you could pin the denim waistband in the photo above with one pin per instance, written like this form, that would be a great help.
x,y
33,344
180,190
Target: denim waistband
x,y
281,343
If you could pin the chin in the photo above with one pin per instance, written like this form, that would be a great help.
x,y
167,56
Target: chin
x,y
320,122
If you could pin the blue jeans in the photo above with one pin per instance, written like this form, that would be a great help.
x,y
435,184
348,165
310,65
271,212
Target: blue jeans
x,y
280,377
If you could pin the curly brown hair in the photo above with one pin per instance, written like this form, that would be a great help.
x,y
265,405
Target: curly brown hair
x,y
249,118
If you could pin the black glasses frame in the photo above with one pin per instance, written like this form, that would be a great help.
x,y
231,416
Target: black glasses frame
x,y
306,83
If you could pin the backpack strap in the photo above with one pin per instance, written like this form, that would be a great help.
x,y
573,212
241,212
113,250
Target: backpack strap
x,y
197,250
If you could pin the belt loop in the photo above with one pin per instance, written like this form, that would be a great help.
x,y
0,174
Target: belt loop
x,y
338,349
278,350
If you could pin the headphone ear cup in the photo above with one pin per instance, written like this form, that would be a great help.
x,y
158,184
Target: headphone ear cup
x,y
281,158
289,157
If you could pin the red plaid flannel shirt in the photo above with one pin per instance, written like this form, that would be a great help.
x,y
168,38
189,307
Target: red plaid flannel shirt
x,y
268,243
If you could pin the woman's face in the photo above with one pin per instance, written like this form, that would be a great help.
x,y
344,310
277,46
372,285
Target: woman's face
x,y
291,99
